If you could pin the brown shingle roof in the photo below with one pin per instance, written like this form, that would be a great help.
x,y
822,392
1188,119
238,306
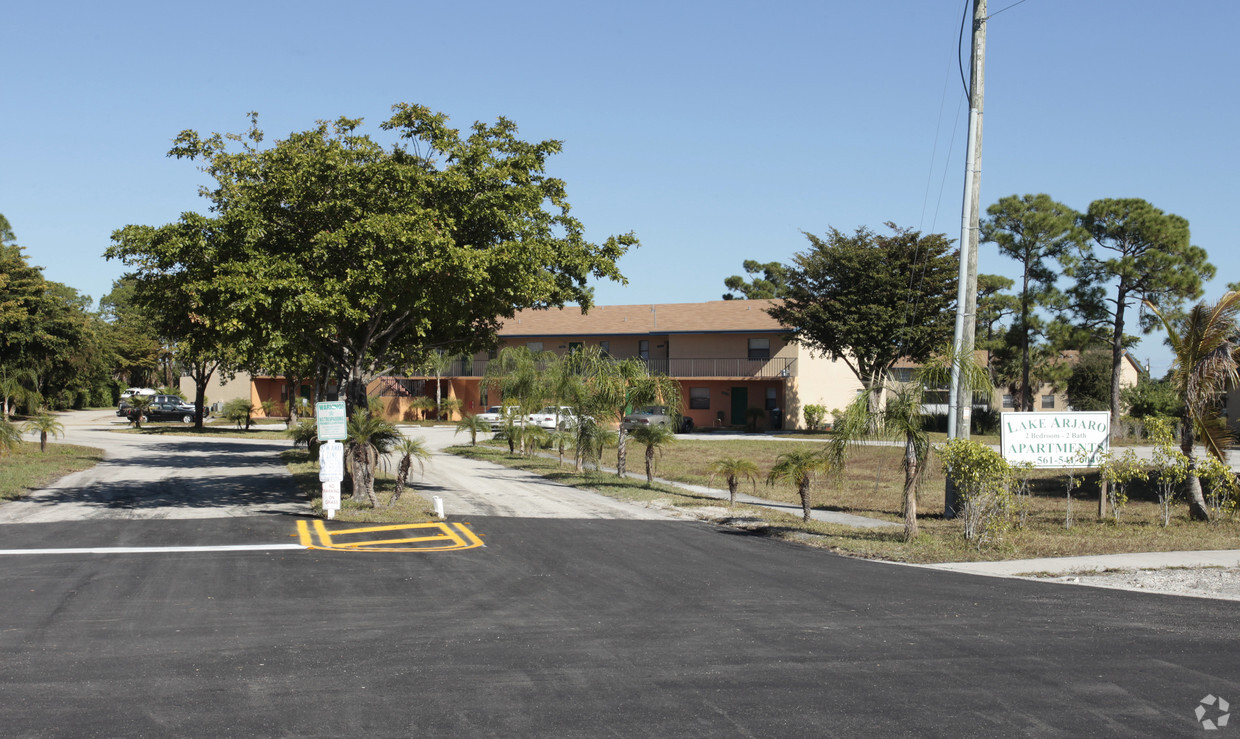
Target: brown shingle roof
x,y
715,316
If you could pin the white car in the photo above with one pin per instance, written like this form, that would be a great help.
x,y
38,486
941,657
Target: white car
x,y
553,417
497,415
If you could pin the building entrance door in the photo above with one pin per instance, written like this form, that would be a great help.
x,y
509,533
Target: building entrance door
x,y
740,404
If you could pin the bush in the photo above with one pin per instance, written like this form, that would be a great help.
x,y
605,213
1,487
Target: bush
x,y
815,417
983,483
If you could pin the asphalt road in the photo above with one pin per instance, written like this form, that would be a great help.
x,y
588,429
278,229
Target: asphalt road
x,y
572,627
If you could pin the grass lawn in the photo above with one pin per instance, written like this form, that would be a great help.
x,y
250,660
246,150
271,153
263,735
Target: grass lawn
x,y
411,508
871,486
26,468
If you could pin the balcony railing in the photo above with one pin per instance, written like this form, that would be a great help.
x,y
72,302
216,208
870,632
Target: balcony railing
x,y
771,368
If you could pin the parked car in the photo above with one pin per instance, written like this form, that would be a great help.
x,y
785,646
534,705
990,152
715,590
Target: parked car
x,y
496,415
550,416
167,410
656,416
122,408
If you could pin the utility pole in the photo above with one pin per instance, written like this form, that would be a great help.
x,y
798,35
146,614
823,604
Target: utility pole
x,y
960,397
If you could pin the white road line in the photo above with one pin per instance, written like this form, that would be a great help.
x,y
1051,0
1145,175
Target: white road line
x,y
151,550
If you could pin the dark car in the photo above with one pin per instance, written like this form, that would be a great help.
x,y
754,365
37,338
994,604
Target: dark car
x,y
171,409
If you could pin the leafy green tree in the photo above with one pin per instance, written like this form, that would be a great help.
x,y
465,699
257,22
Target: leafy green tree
x,y
766,281
319,237
410,451
135,346
1032,230
45,424
733,470
654,438
800,467
1089,383
1207,357
870,299
1150,397
1138,253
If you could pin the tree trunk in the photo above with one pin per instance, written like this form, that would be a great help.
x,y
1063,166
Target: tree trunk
x,y
1192,485
649,465
622,453
911,470
733,483
402,474
43,441
803,491
1117,358
360,469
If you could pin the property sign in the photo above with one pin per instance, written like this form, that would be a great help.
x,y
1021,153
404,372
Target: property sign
x,y
1056,439
332,422
331,462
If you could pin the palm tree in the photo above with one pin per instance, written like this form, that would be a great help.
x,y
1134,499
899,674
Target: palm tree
x,y
904,417
369,439
653,437
473,424
45,424
137,409
410,450
449,407
13,389
307,433
10,437
646,389
799,467
1206,352
421,405
733,469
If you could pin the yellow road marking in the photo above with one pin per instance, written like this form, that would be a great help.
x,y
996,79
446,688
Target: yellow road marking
x,y
452,537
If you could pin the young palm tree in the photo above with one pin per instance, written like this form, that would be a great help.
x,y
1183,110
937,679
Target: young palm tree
x,y
410,450
645,388
10,437
903,417
800,467
733,470
1205,349
369,439
473,424
138,405
306,433
14,390
45,424
653,438
449,407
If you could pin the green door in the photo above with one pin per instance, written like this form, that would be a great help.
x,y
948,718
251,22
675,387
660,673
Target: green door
x,y
740,404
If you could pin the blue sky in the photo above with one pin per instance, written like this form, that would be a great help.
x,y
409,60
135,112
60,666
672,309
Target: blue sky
x,y
718,132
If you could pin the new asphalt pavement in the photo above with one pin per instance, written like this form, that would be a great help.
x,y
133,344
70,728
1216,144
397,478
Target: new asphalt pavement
x,y
558,626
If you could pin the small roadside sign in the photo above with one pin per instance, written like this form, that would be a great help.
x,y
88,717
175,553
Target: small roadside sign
x,y
331,462
331,420
331,498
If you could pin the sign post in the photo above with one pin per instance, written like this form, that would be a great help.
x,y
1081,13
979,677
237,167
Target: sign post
x,y
333,427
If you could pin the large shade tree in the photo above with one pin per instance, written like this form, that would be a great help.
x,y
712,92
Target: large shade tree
x,y
1137,252
371,255
870,299
1036,232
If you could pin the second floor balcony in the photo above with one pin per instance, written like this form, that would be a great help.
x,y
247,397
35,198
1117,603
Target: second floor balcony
x,y
734,368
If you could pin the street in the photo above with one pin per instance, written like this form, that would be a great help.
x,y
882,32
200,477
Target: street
x,y
565,626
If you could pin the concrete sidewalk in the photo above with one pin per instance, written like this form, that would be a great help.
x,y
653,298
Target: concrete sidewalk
x,y
1097,563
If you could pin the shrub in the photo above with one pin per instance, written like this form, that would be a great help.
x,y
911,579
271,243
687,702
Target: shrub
x,y
983,484
815,417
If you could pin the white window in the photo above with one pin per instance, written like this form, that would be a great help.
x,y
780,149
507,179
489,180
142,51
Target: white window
x,y
534,346
1048,401
1007,401
699,398
759,348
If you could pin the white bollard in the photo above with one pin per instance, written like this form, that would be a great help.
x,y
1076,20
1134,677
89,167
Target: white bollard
x,y
438,506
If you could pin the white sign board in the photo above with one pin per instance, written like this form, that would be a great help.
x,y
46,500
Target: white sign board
x,y
331,420
331,498
331,462
1056,439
